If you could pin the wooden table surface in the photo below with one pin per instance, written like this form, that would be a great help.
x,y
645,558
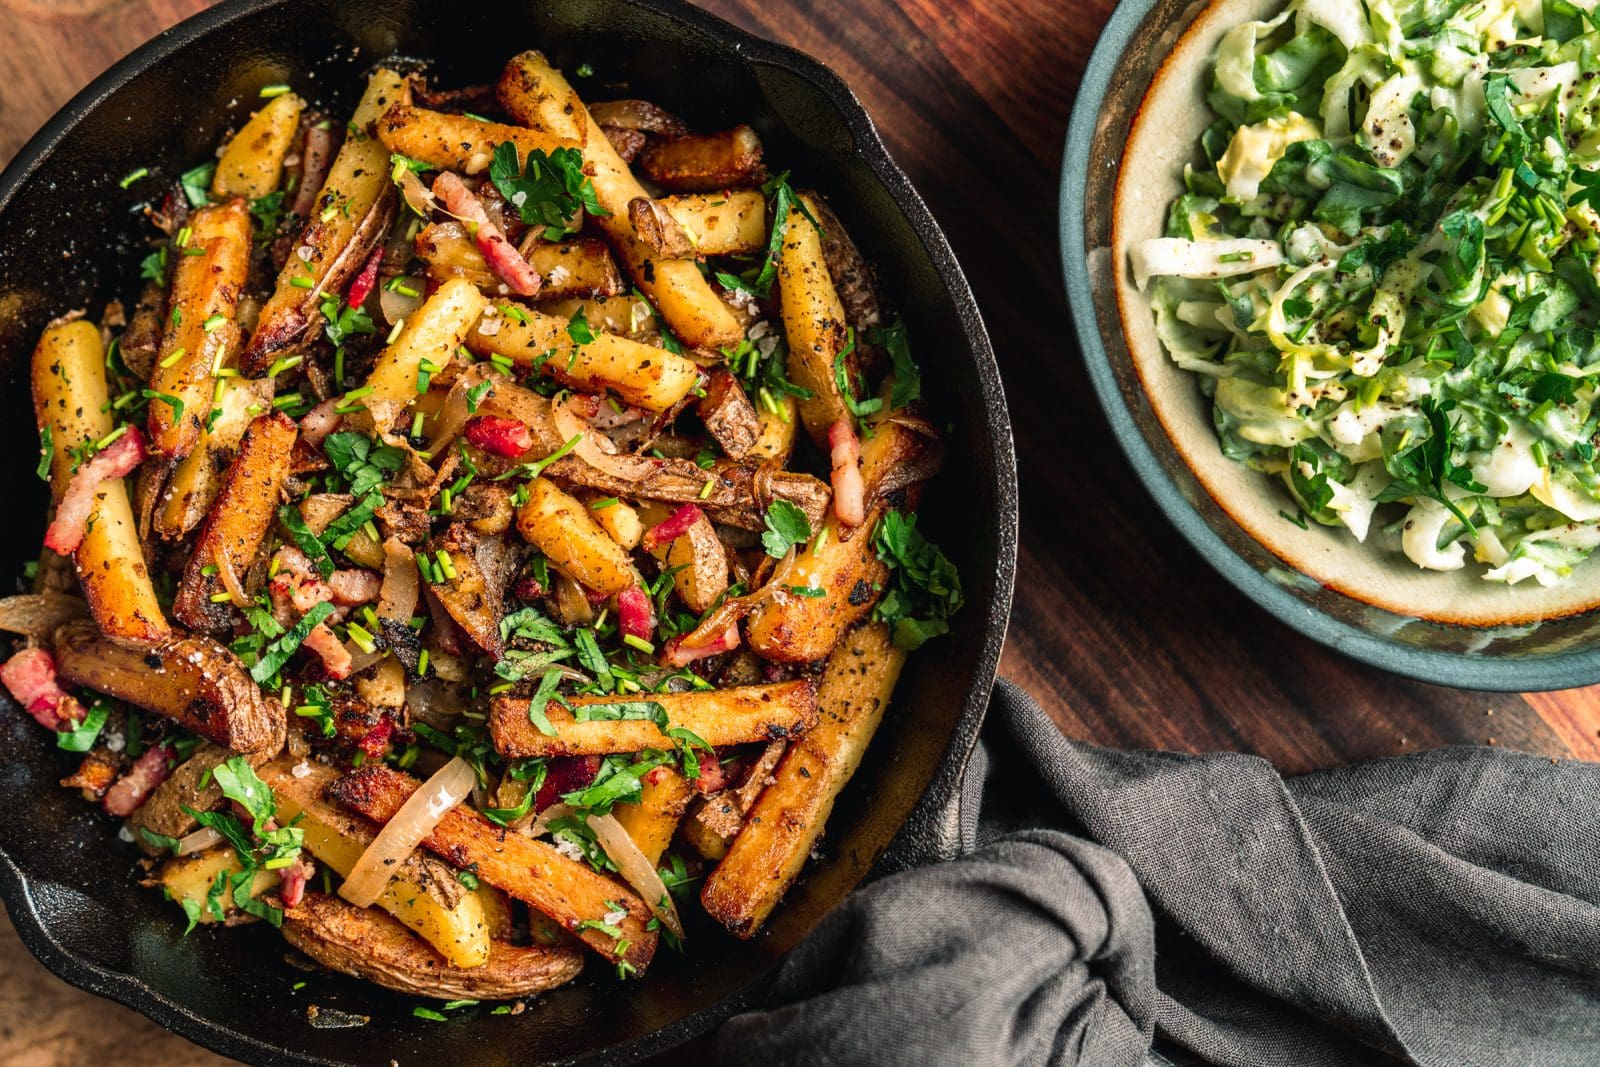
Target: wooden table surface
x,y
1126,636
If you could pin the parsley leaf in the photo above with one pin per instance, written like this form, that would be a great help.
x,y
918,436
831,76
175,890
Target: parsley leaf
x,y
275,655
924,589
171,401
47,453
578,328
363,463
549,189
305,540
540,702
787,526
81,738
267,212
784,200
907,376
196,183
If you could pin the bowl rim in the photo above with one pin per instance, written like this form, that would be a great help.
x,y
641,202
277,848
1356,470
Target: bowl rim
x,y
931,825
1460,670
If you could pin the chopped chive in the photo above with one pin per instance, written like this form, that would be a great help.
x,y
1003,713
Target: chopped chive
x,y
422,663
172,359
638,642
446,565
302,281
601,505
361,637
214,323
133,176
705,490
416,425
399,324
270,91
220,598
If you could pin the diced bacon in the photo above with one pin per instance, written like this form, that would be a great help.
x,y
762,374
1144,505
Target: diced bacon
x,y
565,774
503,437
375,742
297,584
361,288
527,588
672,527
135,786
117,460
713,775
293,879
335,657
635,615
30,677
677,655
320,421
849,491
501,254
352,586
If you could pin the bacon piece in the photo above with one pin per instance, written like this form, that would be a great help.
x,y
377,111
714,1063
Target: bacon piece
x,y
676,654
147,772
501,436
849,490
361,287
501,255
293,879
353,586
564,775
713,774
527,588
672,527
376,740
335,657
30,677
117,460
635,616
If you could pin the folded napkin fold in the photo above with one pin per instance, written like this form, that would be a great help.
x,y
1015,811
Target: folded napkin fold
x,y
1438,909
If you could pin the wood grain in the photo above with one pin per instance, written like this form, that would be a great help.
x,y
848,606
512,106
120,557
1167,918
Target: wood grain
x,y
1124,633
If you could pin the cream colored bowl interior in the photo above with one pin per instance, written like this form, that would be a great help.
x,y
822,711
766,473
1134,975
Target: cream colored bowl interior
x,y
1165,136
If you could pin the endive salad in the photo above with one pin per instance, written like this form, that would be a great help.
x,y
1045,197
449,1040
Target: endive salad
x,y
1386,274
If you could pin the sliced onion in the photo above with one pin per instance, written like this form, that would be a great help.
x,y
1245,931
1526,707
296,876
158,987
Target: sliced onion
x,y
397,599
570,424
397,306
418,196
198,841
37,615
434,702
402,834
538,826
229,578
636,869
453,414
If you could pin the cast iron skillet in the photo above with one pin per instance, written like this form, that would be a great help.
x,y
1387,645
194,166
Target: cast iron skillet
x,y
67,881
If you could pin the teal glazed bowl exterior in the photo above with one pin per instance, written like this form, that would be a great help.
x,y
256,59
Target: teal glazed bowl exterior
x,y
1443,631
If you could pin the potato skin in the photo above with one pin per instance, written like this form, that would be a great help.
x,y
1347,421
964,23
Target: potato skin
x,y
70,399
458,142
787,818
700,561
705,162
734,716
238,521
193,681
368,943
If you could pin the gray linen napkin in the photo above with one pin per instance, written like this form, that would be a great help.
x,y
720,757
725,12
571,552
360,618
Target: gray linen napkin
x,y
1439,909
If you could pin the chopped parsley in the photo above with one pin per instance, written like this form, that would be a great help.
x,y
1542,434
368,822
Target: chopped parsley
x,y
549,189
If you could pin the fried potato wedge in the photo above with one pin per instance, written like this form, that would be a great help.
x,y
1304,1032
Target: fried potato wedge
x,y
537,95
459,142
568,892
718,716
842,563
237,525
643,375
195,483
188,880
779,425
367,943
730,223
560,526
624,315
201,333
697,559
193,681
619,519
251,164
473,590
787,818
432,333
424,893
581,267
815,326
705,162
652,822
350,218
714,821
72,408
